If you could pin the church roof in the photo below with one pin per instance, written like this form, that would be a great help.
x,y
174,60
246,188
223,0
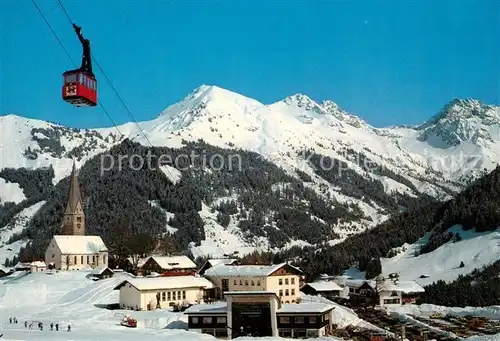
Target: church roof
x,y
80,244
74,192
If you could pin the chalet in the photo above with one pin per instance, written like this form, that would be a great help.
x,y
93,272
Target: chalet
x,y
281,279
4,272
260,314
134,265
394,293
38,266
162,264
101,273
161,292
324,288
75,252
214,262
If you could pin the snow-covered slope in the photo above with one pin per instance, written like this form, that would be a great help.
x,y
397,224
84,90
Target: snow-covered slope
x,y
475,249
407,160
71,298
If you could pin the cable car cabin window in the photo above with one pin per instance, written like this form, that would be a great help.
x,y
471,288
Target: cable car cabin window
x,y
80,78
71,78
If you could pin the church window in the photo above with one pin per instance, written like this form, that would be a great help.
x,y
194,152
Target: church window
x,y
163,298
173,295
75,260
81,259
88,260
168,296
183,295
93,259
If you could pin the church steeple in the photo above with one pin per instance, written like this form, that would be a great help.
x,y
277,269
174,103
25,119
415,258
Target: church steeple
x,y
74,217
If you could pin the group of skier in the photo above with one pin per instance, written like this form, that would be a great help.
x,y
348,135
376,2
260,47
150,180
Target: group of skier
x,y
40,324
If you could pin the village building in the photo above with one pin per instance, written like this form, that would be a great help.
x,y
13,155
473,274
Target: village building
x,y
102,272
162,292
76,252
131,266
328,289
260,314
172,264
395,293
214,262
281,279
38,266
4,272
72,249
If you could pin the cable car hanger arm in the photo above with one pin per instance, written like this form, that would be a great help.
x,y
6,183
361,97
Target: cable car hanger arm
x,y
86,58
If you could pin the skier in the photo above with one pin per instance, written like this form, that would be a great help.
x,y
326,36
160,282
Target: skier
x,y
51,325
31,326
10,319
57,327
15,320
69,328
25,324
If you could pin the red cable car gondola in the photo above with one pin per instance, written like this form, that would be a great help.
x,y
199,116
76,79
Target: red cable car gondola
x,y
80,85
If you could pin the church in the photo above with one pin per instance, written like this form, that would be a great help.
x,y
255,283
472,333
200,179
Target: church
x,y
73,249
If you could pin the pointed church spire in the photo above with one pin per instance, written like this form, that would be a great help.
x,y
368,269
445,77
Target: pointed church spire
x,y
74,192
74,217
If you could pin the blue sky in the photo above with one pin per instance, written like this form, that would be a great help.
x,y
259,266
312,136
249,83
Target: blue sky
x,y
389,62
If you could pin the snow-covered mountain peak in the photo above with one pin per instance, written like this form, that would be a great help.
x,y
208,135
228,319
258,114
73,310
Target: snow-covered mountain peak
x,y
301,101
463,120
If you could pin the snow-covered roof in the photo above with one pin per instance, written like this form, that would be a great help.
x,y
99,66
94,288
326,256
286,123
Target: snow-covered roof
x,y
140,261
38,264
98,270
213,308
325,286
174,262
356,283
243,270
403,286
249,292
80,244
168,283
304,307
225,261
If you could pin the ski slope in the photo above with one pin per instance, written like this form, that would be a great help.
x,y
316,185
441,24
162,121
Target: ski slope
x,y
476,250
71,298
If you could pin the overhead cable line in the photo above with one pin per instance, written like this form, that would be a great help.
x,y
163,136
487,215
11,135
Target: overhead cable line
x,y
69,56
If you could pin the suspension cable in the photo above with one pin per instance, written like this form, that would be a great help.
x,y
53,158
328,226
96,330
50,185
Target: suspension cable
x,y
123,103
72,61
108,80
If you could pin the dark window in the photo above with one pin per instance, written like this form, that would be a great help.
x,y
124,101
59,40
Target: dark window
x,y
235,282
281,292
280,281
292,280
293,292
299,319
258,282
81,259
207,320
76,261
253,284
194,319
183,295
221,320
173,296
286,292
284,319
163,296
169,298
312,319
286,281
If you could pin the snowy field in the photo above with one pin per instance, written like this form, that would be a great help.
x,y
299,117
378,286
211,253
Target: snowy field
x,y
71,298
476,250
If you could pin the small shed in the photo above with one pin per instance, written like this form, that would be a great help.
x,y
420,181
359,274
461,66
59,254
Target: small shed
x,y
323,288
101,273
38,266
